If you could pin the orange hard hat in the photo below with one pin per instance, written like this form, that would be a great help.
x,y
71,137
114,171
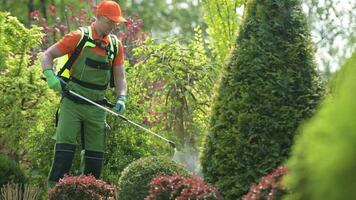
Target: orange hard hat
x,y
111,10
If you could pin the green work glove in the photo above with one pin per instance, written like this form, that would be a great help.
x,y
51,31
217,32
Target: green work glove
x,y
120,104
52,80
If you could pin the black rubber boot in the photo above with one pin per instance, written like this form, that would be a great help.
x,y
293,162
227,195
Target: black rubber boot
x,y
63,157
93,163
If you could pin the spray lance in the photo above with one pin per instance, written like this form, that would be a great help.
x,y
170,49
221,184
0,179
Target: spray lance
x,y
171,143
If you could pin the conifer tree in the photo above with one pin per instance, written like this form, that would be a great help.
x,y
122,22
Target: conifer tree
x,y
269,86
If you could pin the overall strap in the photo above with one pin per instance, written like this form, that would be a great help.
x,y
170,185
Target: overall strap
x,y
77,50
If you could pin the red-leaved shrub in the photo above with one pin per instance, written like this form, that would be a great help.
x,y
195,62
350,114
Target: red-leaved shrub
x,y
177,187
82,187
270,187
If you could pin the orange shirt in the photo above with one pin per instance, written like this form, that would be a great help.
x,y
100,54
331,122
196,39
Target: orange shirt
x,y
68,43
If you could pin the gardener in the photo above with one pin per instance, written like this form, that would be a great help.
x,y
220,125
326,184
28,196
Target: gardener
x,y
100,56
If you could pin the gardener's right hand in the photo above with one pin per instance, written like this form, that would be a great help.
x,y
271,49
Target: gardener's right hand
x,y
120,104
52,80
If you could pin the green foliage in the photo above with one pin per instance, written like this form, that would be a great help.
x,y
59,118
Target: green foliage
x,y
268,88
322,165
21,91
169,78
10,171
174,82
223,20
27,105
135,179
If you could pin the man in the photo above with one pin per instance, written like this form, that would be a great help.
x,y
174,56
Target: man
x,y
89,76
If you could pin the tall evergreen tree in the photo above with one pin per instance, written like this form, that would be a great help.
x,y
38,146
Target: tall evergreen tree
x,y
268,88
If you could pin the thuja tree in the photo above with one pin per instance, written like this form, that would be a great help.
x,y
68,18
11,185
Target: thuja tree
x,y
268,88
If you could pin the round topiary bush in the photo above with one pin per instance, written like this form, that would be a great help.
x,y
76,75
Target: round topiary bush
x,y
10,171
135,179
82,187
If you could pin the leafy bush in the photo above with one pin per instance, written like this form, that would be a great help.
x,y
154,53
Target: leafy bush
x,y
269,87
21,90
135,179
270,187
10,171
323,163
175,81
82,187
180,188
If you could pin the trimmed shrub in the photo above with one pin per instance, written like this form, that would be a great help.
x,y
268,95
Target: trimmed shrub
x,y
268,88
180,188
10,171
323,162
135,179
82,187
270,187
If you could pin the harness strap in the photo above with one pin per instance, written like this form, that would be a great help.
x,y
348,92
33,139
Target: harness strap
x,y
76,52
88,85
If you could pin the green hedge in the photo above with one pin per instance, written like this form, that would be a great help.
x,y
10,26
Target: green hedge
x,y
268,88
135,179
323,162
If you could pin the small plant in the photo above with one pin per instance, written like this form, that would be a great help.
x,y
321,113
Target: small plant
x,y
82,187
177,187
12,191
10,171
269,188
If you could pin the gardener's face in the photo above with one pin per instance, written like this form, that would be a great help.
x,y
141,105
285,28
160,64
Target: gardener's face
x,y
107,25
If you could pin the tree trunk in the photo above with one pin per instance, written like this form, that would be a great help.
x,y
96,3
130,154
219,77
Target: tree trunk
x,y
44,8
31,8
